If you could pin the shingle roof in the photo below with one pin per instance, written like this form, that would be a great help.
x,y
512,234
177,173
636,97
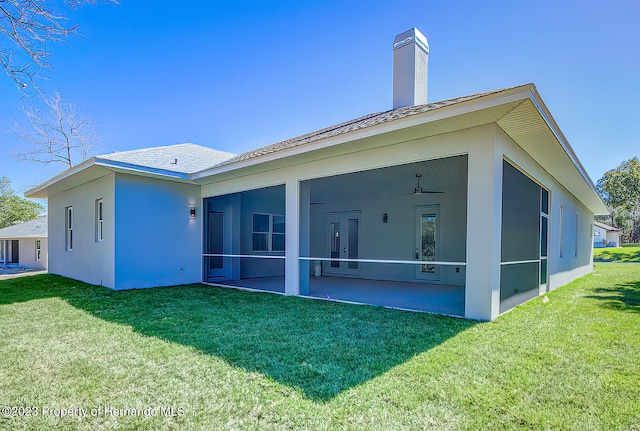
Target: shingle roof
x,y
350,126
30,229
190,158
605,226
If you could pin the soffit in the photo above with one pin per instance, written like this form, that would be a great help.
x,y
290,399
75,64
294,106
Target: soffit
x,y
528,128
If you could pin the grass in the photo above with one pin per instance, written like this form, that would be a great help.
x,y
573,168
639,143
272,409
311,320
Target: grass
x,y
226,359
617,254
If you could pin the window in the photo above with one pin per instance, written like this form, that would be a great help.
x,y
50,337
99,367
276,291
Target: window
x,y
268,232
544,234
68,240
38,248
561,230
98,220
576,239
1,251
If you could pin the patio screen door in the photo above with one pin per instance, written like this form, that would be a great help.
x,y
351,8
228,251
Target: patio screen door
x,y
427,241
343,235
215,238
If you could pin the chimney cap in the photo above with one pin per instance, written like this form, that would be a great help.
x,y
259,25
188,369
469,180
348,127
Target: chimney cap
x,y
409,36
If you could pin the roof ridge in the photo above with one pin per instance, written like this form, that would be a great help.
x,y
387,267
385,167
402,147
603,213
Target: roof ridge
x,y
163,147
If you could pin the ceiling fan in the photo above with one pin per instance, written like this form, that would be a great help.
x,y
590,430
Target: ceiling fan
x,y
419,190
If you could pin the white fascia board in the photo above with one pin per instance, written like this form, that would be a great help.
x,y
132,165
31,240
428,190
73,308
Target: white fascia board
x,y
461,108
40,190
141,170
564,143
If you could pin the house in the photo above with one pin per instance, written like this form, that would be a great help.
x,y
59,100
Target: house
x,y
605,235
467,207
25,244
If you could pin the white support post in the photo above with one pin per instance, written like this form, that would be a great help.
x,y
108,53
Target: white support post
x,y
292,241
484,229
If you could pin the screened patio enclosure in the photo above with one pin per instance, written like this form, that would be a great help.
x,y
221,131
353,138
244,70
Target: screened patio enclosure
x,y
525,238
244,239
394,236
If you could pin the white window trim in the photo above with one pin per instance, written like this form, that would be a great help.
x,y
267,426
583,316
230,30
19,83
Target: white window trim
x,y
561,231
269,233
99,220
38,249
545,216
68,218
576,238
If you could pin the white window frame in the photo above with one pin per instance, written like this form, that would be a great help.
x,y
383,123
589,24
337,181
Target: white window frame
x,y
576,239
99,220
68,218
544,216
270,233
561,231
38,249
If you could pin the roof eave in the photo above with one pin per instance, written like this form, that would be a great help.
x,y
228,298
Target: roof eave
x,y
510,95
41,190
564,143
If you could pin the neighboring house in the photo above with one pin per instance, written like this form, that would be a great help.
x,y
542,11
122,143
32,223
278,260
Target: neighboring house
x,y
467,206
25,244
605,235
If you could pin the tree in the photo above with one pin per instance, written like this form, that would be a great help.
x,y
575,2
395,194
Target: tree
x,y
61,134
27,28
620,188
14,209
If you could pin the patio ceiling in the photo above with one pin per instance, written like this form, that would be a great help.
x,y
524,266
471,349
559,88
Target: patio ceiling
x,y
400,180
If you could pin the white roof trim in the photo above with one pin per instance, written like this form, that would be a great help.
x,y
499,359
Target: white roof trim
x,y
61,176
553,126
461,108
112,165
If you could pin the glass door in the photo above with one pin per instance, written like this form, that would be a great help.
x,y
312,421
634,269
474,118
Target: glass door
x,y
343,234
427,242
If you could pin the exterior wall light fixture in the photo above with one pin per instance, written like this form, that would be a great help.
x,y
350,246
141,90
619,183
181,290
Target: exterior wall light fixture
x,y
192,212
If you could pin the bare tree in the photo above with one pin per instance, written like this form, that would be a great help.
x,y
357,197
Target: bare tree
x,y
61,134
27,28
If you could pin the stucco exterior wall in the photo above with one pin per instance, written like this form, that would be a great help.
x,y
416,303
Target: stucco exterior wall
x,y
599,237
157,243
28,253
90,261
605,238
613,238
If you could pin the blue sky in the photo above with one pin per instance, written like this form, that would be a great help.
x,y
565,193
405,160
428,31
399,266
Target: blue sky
x,y
236,75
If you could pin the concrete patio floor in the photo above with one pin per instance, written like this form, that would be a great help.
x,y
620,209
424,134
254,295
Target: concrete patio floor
x,y
434,298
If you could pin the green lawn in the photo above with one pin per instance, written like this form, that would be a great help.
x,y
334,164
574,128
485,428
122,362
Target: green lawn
x,y
226,359
617,254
